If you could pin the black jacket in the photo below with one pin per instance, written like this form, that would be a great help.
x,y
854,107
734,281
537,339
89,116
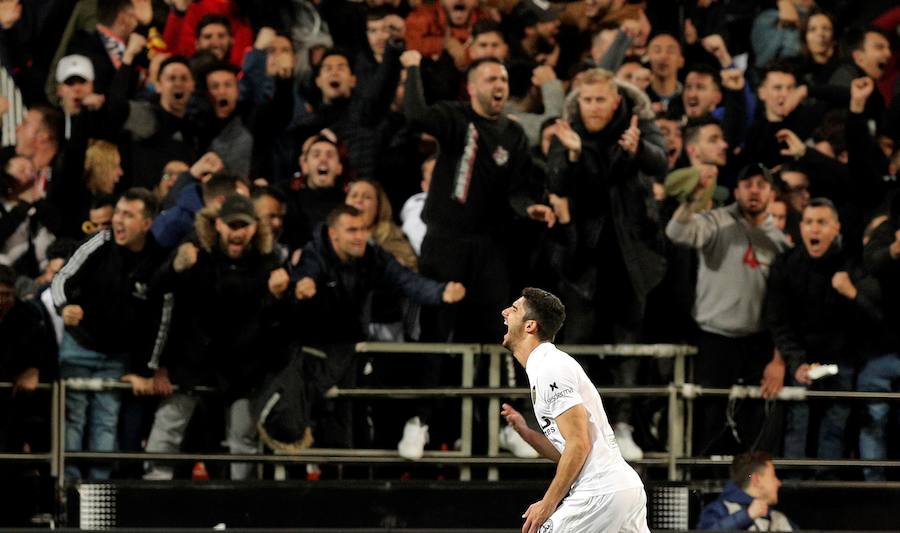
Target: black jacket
x,y
340,311
605,187
810,321
483,175
27,342
226,327
114,287
878,261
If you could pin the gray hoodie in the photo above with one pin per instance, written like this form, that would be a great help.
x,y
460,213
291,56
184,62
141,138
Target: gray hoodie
x,y
734,267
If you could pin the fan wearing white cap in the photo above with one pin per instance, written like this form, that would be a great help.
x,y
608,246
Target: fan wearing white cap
x,y
74,82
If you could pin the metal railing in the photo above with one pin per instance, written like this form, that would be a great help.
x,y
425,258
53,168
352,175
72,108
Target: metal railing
x,y
677,459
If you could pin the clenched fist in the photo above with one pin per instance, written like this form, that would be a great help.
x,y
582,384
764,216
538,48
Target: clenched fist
x,y
186,257
453,292
279,280
72,315
305,289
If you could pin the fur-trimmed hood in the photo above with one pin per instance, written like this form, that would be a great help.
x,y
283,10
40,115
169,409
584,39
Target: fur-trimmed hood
x,y
207,236
638,102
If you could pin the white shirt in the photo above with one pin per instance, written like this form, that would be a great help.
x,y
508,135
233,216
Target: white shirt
x,y
558,383
413,226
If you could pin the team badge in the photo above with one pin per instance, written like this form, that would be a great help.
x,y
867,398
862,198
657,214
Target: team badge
x,y
501,156
547,527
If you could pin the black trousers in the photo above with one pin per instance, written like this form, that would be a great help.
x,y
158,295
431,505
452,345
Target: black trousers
x,y
480,263
722,362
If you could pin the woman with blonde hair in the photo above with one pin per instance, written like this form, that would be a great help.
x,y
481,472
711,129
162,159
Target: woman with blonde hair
x,y
84,179
369,197
102,167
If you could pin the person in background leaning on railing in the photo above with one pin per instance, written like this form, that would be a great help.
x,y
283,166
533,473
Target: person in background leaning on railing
x,y
745,504
736,245
814,309
230,296
337,276
104,296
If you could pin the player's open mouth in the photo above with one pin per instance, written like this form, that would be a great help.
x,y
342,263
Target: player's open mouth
x,y
814,242
334,84
693,102
222,103
322,170
178,95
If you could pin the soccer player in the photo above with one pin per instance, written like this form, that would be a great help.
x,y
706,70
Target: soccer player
x,y
602,492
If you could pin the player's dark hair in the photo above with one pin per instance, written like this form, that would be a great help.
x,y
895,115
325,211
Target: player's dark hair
x,y
478,62
546,309
707,70
824,202
220,184
108,10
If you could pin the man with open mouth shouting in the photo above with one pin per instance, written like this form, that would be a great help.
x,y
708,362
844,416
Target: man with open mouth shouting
x,y
481,181
594,490
812,307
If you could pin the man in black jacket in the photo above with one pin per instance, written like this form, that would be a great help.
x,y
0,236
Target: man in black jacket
x,y
596,168
338,273
104,296
229,300
811,306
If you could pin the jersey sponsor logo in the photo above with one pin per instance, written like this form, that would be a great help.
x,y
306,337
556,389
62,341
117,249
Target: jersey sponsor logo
x,y
546,527
501,156
553,386
560,394
547,422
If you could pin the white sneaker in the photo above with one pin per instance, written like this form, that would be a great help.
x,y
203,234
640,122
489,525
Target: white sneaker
x,y
629,450
415,436
512,441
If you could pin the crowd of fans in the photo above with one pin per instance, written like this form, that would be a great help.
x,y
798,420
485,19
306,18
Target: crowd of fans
x,y
232,193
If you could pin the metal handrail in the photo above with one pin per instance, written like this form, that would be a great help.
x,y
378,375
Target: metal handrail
x,y
482,392
689,390
678,393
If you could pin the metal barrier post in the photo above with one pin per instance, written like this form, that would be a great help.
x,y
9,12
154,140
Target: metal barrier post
x,y
493,408
676,418
468,381
54,430
61,438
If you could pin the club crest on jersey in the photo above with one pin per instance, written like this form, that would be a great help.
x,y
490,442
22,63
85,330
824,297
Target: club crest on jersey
x,y
501,156
547,527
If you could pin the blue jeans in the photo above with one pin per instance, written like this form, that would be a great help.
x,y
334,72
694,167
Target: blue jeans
x,y
880,374
96,413
831,427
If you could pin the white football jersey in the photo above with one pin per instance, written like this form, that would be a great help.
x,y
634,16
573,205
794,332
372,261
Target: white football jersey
x,y
558,383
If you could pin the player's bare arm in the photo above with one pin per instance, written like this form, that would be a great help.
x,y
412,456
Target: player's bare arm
x,y
535,439
573,424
